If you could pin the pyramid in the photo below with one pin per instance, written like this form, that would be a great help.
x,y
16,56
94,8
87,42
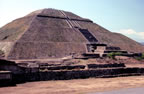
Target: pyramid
x,y
51,33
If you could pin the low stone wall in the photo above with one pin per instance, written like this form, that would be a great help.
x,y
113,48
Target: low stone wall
x,y
63,67
86,55
5,78
76,74
5,75
6,65
93,66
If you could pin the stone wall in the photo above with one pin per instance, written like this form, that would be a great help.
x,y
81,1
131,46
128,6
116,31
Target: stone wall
x,y
11,66
5,78
76,74
5,75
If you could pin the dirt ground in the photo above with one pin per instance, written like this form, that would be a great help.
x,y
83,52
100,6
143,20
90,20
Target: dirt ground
x,y
80,86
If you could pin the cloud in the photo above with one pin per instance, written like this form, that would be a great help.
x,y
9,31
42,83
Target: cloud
x,y
138,36
127,31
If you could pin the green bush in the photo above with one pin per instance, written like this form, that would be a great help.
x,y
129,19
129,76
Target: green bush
x,y
138,58
141,57
110,55
113,54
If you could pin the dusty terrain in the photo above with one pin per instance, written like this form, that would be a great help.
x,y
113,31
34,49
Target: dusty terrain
x,y
81,86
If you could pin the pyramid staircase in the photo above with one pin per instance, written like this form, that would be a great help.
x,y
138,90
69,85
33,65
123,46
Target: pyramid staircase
x,y
88,35
94,48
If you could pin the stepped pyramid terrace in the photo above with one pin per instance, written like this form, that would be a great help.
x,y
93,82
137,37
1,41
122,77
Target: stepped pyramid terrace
x,y
52,44
51,33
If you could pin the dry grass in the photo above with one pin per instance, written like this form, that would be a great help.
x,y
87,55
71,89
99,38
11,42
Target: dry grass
x,y
81,86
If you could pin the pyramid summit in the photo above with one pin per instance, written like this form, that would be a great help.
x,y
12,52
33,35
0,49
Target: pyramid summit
x,y
51,33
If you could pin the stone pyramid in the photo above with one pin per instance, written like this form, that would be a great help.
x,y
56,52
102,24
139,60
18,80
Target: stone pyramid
x,y
51,33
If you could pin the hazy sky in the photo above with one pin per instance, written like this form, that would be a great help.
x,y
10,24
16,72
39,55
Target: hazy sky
x,y
123,16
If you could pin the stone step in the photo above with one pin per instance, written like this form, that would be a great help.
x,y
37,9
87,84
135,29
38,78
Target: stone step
x,y
116,65
91,55
77,74
88,66
121,51
5,78
63,67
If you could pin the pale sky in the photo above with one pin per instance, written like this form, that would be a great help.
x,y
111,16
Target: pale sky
x,y
123,16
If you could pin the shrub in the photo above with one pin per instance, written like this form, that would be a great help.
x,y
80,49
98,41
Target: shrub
x,y
113,54
140,57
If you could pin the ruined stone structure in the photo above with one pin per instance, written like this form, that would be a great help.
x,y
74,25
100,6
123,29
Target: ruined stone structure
x,y
50,44
51,33
12,73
